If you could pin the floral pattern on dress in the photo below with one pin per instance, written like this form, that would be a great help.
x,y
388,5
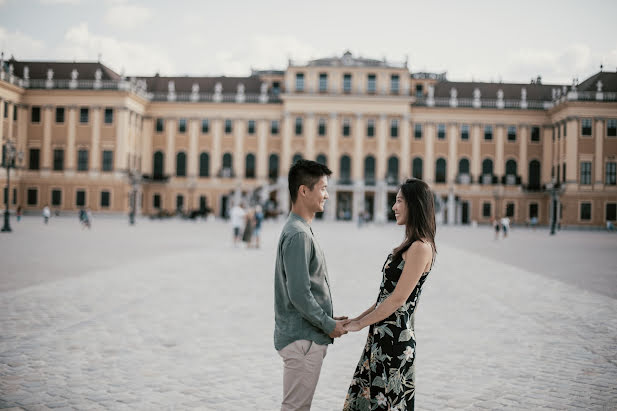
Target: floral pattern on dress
x,y
384,377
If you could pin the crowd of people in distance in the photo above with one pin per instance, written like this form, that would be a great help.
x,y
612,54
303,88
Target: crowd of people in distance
x,y
246,224
501,225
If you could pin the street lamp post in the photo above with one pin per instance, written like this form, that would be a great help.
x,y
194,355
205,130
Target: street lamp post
x,y
134,180
10,154
553,188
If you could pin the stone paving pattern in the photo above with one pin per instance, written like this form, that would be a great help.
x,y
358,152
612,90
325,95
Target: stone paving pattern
x,y
167,315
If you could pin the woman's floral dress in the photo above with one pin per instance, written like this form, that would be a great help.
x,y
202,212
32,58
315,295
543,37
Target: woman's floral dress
x,y
384,377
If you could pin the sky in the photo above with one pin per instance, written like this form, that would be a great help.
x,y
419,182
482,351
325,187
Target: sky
x,y
509,41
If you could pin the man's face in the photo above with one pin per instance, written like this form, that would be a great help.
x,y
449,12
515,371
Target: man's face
x,y
315,199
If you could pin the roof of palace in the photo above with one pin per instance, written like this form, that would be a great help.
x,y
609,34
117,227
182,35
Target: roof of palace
x,y
206,84
511,91
63,69
348,60
608,79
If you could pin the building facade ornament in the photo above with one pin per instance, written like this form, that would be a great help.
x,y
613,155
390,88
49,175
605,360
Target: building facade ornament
x,y
523,98
453,97
218,93
263,93
98,75
195,92
26,76
430,99
240,96
476,98
599,93
49,83
171,91
73,82
500,102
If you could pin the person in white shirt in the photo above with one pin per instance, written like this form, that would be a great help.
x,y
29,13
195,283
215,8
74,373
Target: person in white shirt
x,y
46,213
505,224
236,216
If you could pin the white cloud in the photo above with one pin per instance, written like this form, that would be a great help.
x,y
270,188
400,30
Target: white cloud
x,y
20,45
135,58
126,16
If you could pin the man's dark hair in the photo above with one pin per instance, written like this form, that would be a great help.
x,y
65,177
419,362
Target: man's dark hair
x,y
306,173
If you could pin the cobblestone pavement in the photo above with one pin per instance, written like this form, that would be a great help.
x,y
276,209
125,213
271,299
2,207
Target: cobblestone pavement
x,y
169,316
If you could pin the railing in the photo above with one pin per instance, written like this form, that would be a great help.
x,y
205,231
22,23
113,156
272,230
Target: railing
x,y
210,97
484,103
126,85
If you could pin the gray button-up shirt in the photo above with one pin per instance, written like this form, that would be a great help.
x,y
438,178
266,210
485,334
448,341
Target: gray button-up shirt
x,y
302,299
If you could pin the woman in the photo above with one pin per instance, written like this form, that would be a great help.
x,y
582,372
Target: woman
x,y
384,377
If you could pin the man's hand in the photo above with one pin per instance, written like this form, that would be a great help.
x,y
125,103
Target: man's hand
x,y
340,328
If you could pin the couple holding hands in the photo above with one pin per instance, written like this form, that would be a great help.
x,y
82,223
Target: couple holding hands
x,y
304,321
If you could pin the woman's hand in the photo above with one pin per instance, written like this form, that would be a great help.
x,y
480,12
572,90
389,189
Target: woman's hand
x,y
353,326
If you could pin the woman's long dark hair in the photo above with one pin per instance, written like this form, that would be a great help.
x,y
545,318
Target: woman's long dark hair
x,y
420,224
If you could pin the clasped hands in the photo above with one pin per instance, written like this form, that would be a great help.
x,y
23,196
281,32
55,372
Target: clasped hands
x,y
343,326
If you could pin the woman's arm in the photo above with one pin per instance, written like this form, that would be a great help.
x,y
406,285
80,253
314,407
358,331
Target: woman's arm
x,y
416,259
369,310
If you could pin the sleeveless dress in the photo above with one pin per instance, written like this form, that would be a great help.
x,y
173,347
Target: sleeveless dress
x,y
384,377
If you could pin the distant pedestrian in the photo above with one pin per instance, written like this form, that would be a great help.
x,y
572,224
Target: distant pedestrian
x,y
505,225
497,227
610,226
46,213
249,224
236,215
534,222
19,212
84,219
88,218
259,217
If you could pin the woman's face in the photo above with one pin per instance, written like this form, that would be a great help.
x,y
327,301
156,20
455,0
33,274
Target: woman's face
x,y
400,209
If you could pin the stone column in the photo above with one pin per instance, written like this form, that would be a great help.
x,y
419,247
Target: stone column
x,y
522,154
333,147
262,150
547,153
451,207
147,147
285,159
239,134
2,119
571,152
380,167
499,150
598,158
357,200
70,145
47,154
309,133
381,202
95,151
429,153
122,118
193,154
170,153
358,148
22,128
10,120
217,133
452,154
405,148
330,208
476,170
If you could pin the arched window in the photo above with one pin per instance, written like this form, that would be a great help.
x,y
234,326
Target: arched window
x,y
273,166
204,165
440,170
227,170
345,175
181,164
511,167
487,167
249,166
392,176
369,170
534,173
157,171
322,159
463,166
295,158
416,168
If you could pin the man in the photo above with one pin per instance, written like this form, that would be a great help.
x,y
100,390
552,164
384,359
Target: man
x,y
237,215
304,323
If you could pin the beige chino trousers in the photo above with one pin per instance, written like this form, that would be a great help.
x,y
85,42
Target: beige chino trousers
x,y
303,360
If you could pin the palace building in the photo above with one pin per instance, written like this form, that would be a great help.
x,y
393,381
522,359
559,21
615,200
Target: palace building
x,y
86,136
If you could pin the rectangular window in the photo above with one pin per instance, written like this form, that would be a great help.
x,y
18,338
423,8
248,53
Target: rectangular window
x,y
611,127
104,199
565,130
511,133
33,164
276,88
585,211
80,198
182,125
323,82
370,128
394,128
347,83
586,172
274,127
372,86
33,196
298,126
299,81
82,160
156,201
84,114
109,115
205,126
486,209
465,132
488,133
58,159
611,211
533,210
419,90
535,134
321,129
179,202
15,113
160,125
35,114
441,131
6,109
510,210
611,172
59,115
346,128
108,160
56,198
228,126
417,131
251,127
394,83
586,127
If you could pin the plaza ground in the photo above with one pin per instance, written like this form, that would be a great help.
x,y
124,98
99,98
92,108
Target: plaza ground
x,y
169,315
